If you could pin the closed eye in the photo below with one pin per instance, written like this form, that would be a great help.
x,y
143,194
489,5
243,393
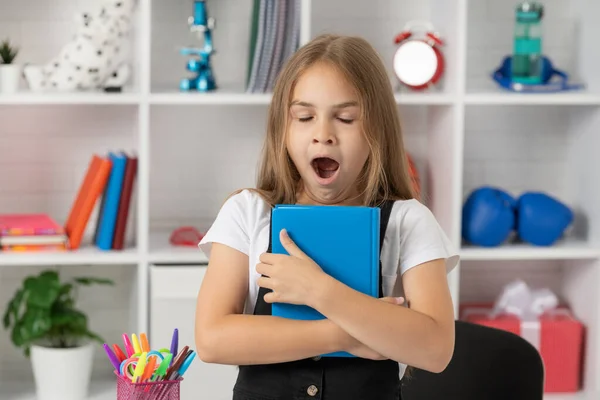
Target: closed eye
x,y
304,119
346,121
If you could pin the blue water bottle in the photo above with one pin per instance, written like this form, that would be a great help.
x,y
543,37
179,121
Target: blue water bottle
x,y
527,52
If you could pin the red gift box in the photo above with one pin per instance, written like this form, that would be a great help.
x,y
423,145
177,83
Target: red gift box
x,y
557,335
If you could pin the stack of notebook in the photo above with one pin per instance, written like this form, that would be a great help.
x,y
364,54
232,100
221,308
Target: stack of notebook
x,y
109,183
274,37
31,232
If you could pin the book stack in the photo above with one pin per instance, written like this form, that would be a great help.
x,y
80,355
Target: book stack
x,y
108,182
31,232
274,37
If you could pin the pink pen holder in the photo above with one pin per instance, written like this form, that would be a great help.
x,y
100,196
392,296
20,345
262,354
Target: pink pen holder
x,y
159,390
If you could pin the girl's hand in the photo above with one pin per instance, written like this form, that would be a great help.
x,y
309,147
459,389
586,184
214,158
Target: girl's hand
x,y
358,349
293,278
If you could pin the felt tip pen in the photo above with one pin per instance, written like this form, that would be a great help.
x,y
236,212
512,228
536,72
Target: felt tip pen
x,y
174,343
112,357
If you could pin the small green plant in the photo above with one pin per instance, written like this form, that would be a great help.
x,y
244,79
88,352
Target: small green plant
x,y
42,311
8,52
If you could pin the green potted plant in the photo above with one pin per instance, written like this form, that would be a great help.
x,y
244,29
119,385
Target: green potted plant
x,y
54,334
10,73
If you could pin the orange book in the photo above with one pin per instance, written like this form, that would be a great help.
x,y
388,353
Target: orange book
x,y
90,190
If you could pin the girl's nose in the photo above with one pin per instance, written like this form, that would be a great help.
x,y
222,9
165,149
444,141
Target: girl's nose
x,y
324,135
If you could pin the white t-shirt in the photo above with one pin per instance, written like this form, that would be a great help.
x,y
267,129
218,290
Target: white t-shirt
x,y
413,236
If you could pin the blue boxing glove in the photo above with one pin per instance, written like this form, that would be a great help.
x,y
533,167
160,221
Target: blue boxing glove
x,y
488,217
541,219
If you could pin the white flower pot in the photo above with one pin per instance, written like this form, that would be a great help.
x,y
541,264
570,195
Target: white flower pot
x,y
10,77
62,373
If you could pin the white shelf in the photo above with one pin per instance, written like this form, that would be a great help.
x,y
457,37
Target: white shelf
x,y
226,97
510,98
563,250
24,98
162,252
572,396
85,255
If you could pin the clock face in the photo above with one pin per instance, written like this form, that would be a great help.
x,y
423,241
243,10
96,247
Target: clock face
x,y
415,63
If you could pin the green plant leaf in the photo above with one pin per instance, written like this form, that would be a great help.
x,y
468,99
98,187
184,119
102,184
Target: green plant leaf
x,y
43,311
34,324
87,281
68,317
12,310
8,52
43,289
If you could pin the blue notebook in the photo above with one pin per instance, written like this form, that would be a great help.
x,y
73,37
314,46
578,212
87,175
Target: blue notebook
x,y
110,203
342,240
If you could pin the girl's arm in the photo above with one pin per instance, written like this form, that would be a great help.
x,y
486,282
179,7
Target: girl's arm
x,y
223,335
421,336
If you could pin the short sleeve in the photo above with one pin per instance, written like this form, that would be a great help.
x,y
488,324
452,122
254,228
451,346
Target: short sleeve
x,y
230,226
422,239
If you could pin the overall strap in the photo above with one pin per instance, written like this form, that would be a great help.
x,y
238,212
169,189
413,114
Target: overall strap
x,y
384,218
262,307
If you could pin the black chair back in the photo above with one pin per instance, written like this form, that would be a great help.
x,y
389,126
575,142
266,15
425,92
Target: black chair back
x,y
488,364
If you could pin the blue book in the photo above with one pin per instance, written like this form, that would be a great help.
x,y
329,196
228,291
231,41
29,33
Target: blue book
x,y
342,240
110,206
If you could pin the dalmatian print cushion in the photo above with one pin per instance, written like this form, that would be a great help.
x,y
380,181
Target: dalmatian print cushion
x,y
97,57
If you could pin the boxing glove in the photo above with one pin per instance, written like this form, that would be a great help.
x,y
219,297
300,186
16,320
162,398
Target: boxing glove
x,y
541,219
488,217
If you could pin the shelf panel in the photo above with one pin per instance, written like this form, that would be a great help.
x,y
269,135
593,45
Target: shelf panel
x,y
493,95
24,98
572,396
424,98
162,252
570,249
211,98
86,255
224,97
99,390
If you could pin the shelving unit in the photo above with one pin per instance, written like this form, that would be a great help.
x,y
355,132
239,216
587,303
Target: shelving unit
x,y
196,148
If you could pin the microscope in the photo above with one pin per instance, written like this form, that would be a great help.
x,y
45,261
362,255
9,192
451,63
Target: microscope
x,y
200,24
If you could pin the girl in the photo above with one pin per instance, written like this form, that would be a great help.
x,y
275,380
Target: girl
x,y
333,138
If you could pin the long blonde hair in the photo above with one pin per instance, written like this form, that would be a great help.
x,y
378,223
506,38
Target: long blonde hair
x,y
385,175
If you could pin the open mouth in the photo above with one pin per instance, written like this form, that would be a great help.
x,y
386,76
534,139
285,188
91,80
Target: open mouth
x,y
325,167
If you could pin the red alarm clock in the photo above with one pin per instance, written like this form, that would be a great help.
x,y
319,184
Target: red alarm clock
x,y
418,62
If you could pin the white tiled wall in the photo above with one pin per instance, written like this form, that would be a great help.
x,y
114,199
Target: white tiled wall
x,y
517,148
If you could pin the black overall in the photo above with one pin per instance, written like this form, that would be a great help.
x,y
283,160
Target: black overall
x,y
326,378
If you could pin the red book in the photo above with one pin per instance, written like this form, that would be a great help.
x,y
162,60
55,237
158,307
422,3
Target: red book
x,y
28,225
124,202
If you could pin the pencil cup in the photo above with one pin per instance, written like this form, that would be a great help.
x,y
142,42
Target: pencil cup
x,y
159,390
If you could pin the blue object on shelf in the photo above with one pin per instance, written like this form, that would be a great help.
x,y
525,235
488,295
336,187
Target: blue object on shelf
x,y
110,209
542,218
503,77
342,240
204,80
488,217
